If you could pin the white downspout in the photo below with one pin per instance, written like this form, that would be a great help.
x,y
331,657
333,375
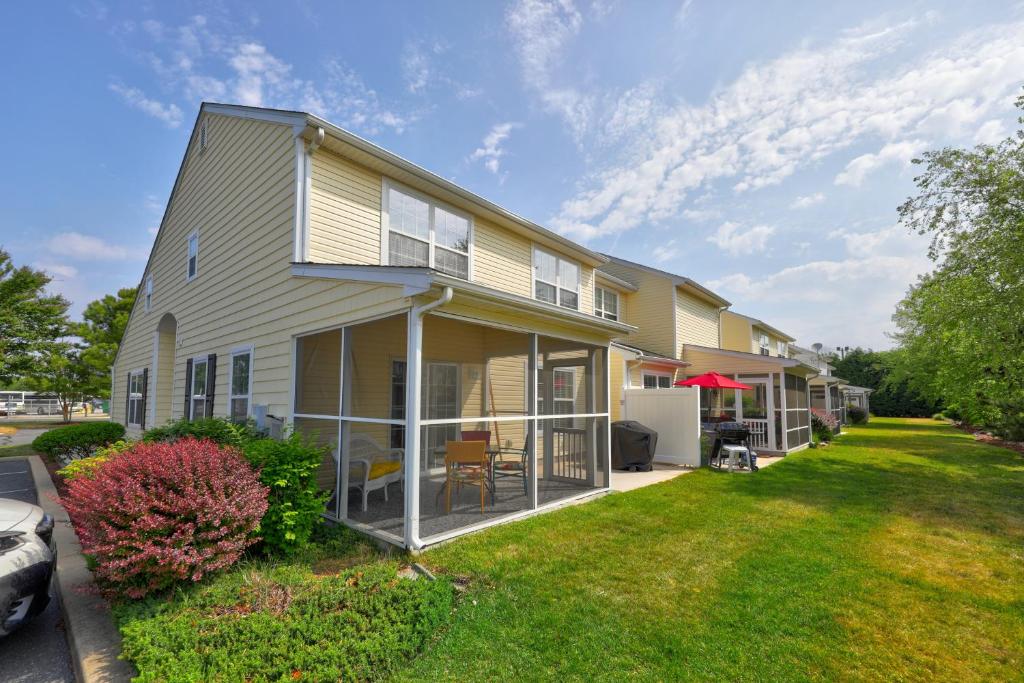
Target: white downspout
x,y
413,380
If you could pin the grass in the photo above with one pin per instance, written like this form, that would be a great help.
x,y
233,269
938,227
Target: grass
x,y
38,424
895,554
16,451
337,611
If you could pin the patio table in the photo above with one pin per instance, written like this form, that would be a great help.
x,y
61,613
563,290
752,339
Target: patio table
x,y
492,453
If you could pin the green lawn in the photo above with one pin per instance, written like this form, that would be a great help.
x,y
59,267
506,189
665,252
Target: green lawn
x,y
895,554
16,451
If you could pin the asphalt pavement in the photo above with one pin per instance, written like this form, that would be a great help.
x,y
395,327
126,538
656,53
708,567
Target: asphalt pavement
x,y
38,651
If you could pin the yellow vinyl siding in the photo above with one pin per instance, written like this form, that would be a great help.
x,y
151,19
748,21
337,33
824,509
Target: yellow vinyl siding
x,y
736,334
344,212
502,259
650,308
617,372
345,227
696,322
240,195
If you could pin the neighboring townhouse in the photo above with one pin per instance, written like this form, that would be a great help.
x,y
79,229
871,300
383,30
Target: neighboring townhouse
x,y
668,312
857,396
750,335
302,275
826,388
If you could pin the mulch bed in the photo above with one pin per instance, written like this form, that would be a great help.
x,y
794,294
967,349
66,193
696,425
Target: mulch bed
x,y
985,437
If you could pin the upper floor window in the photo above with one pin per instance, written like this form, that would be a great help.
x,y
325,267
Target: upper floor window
x,y
420,232
192,267
764,344
148,300
556,280
606,303
780,347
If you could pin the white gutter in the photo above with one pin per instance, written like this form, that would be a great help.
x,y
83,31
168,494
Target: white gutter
x,y
414,359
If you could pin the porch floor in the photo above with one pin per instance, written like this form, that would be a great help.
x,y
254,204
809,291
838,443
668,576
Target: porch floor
x,y
388,516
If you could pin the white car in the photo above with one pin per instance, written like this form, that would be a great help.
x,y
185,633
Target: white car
x,y
27,559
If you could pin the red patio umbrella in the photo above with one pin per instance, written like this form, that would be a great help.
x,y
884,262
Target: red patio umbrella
x,y
711,380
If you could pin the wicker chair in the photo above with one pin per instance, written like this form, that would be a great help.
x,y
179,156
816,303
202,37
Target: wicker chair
x,y
372,467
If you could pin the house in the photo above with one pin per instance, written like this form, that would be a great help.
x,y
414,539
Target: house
x,y
305,276
857,396
667,311
826,388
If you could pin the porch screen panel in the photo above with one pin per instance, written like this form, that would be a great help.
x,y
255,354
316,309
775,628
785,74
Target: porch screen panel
x,y
372,453
318,374
572,448
324,433
798,418
474,388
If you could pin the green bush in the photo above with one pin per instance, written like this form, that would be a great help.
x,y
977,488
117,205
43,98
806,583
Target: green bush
x,y
857,415
220,431
289,468
77,441
281,622
939,416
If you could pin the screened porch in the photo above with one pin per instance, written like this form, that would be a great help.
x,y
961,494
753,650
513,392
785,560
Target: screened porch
x,y
531,412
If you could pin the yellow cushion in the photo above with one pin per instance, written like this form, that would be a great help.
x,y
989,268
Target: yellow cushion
x,y
382,468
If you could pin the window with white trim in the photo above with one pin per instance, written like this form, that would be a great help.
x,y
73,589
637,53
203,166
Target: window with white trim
x,y
657,380
606,303
200,367
563,395
192,263
764,344
148,300
556,280
780,347
240,387
136,400
421,232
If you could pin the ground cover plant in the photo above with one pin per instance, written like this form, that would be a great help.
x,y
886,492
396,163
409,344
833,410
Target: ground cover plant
x,y
895,554
337,610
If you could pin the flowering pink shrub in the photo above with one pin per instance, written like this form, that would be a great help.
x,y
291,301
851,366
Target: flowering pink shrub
x,y
166,512
823,424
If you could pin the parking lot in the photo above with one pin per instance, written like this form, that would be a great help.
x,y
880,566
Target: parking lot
x,y
37,652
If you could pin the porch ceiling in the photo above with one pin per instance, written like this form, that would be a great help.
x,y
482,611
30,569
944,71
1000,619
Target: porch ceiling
x,y
705,359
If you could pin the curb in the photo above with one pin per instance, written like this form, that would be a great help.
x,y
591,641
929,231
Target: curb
x,y
93,639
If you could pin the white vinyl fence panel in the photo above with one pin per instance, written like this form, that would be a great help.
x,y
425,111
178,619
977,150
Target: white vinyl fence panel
x,y
675,415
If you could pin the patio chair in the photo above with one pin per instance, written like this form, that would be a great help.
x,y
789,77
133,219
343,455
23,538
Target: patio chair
x,y
372,467
477,435
465,462
515,467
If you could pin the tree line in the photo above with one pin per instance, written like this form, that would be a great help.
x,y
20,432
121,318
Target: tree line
x,y
960,328
42,349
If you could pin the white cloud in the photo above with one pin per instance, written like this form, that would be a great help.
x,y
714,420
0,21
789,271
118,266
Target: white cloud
x,y
416,67
206,60
683,13
169,114
736,242
807,201
701,215
491,149
782,115
90,248
991,132
541,30
898,152
57,270
665,252
153,230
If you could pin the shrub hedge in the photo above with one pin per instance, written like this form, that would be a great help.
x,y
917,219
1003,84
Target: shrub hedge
x,y
86,467
823,425
77,441
162,513
288,468
857,415
216,429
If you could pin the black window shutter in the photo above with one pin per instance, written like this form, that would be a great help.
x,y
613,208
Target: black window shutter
x,y
188,390
128,401
145,386
211,382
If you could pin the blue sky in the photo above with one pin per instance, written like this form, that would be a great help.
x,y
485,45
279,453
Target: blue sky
x,y
760,148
